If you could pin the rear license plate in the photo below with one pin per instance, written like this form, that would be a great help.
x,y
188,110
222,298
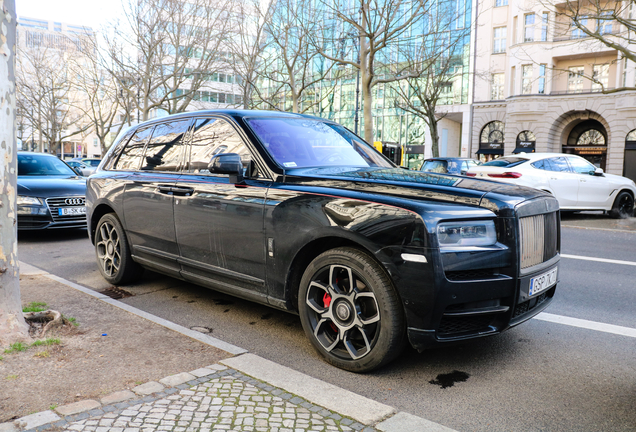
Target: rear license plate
x,y
543,282
71,211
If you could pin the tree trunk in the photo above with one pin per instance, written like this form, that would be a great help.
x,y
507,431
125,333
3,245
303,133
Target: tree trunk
x,y
13,327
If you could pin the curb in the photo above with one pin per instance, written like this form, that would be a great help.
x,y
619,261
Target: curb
x,y
316,392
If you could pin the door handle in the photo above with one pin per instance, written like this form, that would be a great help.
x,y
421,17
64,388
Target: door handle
x,y
182,191
165,189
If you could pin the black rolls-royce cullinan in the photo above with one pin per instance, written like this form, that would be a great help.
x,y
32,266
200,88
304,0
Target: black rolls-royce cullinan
x,y
298,213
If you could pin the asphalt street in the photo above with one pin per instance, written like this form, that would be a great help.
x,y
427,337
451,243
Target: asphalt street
x,y
538,376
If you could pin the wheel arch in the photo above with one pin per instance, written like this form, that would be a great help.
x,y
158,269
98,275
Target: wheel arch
x,y
313,249
96,215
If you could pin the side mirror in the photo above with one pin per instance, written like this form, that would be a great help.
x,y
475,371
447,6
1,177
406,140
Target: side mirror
x,y
78,171
227,163
598,172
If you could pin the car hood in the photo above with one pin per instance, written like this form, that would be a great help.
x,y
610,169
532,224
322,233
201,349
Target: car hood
x,y
617,180
51,186
416,185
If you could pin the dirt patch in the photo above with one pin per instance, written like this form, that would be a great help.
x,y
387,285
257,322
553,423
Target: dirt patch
x,y
110,350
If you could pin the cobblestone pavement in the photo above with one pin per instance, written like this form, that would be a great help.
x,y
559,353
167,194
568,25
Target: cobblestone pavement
x,y
226,400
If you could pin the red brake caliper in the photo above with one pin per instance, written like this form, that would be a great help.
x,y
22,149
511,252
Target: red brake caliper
x,y
326,300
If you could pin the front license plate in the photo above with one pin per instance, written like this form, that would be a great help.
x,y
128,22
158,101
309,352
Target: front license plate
x,y
71,211
543,282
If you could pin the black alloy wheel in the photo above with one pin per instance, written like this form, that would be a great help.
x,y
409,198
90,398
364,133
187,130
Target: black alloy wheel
x,y
350,310
113,252
623,206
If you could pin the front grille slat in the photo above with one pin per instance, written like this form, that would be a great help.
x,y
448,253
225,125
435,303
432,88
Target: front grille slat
x,y
60,202
539,239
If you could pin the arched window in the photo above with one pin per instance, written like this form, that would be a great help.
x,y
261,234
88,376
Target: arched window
x,y
526,142
491,140
591,137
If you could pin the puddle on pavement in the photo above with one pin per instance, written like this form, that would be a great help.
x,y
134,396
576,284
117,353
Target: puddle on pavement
x,y
449,379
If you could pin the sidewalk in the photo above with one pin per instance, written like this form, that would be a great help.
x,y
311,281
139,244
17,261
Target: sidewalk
x,y
597,220
239,392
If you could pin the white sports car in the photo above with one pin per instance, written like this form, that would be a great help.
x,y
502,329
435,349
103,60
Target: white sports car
x,y
575,182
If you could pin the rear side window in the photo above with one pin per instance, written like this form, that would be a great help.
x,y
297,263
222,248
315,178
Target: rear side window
x,y
559,164
164,151
434,166
130,158
506,162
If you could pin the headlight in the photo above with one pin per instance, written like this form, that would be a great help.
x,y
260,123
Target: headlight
x,y
467,233
27,200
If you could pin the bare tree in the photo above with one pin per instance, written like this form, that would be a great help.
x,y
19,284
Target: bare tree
x,y
247,44
435,62
102,103
292,67
613,23
365,35
166,50
45,97
13,327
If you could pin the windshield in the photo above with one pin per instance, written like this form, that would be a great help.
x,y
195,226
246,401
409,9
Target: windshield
x,y
42,165
297,143
506,162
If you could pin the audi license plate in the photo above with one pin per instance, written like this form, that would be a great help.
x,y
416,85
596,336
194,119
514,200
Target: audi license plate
x,y
543,282
71,211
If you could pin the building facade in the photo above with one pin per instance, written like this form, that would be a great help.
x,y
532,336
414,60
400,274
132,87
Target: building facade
x,y
541,84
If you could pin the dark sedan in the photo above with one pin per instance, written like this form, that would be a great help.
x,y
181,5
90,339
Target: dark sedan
x,y
298,213
50,193
449,165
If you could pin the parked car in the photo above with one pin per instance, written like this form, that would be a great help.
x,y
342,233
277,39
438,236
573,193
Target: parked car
x,y
575,182
449,165
298,213
84,169
93,162
50,193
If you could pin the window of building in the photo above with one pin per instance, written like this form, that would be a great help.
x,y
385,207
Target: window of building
x,y
600,77
544,26
575,79
491,139
604,24
501,3
526,79
499,42
577,32
528,28
541,80
497,86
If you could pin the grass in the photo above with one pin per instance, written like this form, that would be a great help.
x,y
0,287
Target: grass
x,y
21,346
71,320
52,407
42,354
11,377
34,307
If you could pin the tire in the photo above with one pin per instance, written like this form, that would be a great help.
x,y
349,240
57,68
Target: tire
x,y
350,310
113,252
623,206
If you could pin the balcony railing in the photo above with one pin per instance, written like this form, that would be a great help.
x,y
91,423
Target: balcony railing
x,y
580,35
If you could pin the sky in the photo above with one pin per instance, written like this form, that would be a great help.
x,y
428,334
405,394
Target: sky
x,y
92,13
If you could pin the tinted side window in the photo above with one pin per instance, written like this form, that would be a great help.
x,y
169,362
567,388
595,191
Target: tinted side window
x,y
559,164
112,156
130,158
434,166
164,151
211,137
581,166
541,164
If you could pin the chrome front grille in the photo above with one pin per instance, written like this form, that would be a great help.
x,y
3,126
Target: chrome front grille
x,y
72,201
539,238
